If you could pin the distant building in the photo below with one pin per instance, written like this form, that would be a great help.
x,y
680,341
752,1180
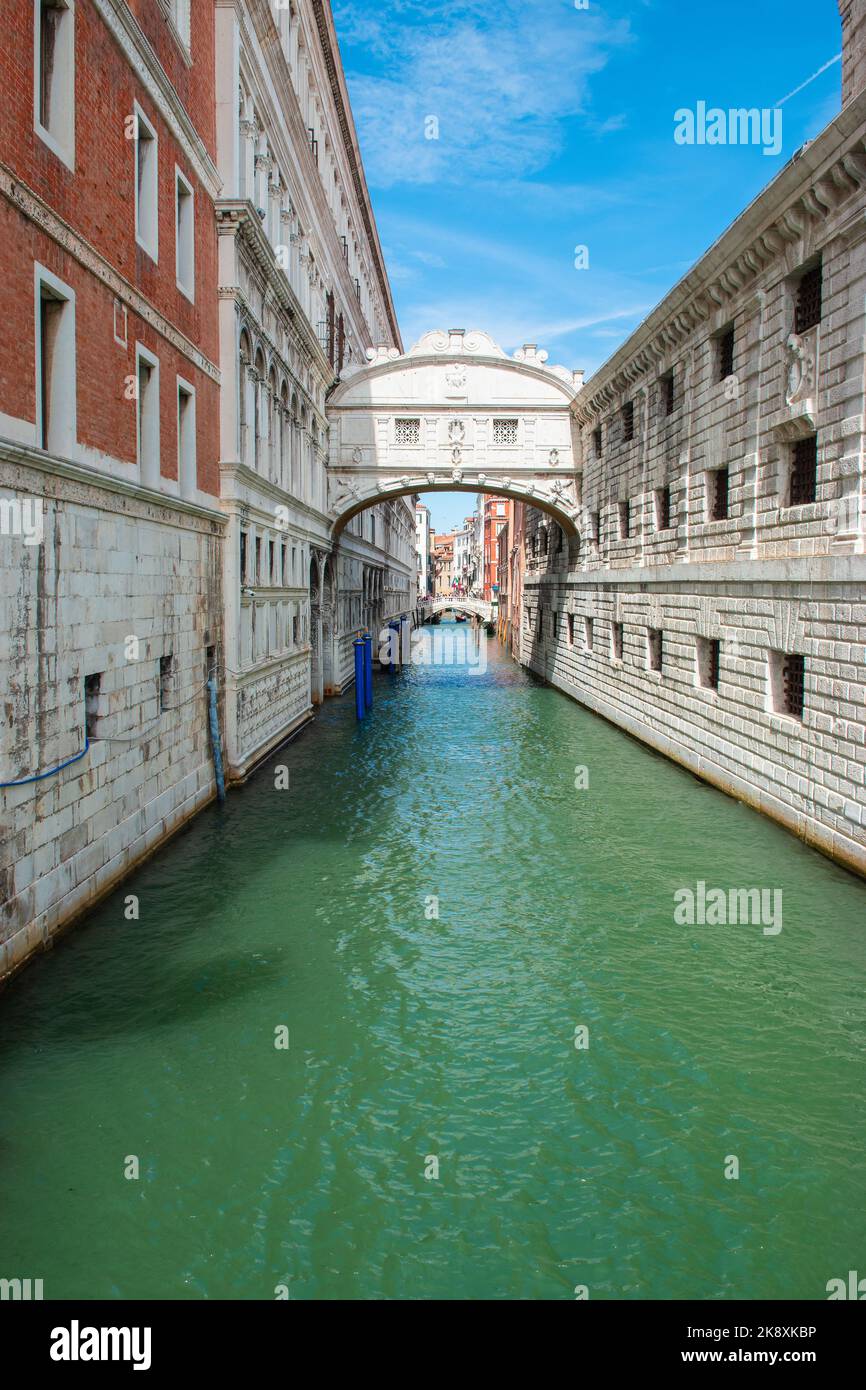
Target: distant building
x,y
423,541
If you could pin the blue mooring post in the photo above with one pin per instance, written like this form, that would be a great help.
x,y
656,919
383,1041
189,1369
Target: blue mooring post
x,y
216,741
368,669
360,702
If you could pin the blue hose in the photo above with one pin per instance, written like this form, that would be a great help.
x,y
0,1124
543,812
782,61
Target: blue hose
x,y
40,776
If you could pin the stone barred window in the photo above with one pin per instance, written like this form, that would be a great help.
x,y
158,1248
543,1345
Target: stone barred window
x,y
667,388
708,656
597,442
616,635
719,486
624,509
588,633
663,508
804,472
628,422
505,433
808,312
788,683
407,431
726,344
655,649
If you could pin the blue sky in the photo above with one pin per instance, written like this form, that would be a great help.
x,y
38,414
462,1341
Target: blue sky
x,y
555,130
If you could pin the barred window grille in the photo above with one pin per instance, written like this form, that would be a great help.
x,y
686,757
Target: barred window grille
x,y
624,520
726,355
663,509
628,422
588,633
794,685
616,633
709,653
655,648
809,294
407,431
804,471
668,394
505,432
720,494
595,527
597,442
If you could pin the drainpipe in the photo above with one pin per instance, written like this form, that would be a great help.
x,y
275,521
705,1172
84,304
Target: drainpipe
x,y
360,703
216,741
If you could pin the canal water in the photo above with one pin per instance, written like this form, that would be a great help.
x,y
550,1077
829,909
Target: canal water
x,y
431,909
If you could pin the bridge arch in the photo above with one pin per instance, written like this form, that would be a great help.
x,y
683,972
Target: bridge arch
x,y
454,414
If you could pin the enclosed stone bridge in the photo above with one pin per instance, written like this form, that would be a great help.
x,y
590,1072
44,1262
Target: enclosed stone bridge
x,y
454,414
476,607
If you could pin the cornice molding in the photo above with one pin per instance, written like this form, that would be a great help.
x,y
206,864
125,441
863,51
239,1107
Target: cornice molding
x,y
32,206
63,477
330,52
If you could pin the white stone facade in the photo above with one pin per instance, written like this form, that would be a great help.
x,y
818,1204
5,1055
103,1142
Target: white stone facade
x,y
729,517
303,295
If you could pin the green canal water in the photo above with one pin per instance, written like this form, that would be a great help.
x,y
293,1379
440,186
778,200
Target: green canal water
x,y
414,1036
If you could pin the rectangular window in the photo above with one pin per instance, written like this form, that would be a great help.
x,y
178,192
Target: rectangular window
x,y
186,441
56,386
146,185
595,527
571,629
588,633
718,499
294,631
788,683
147,380
624,509
272,552
597,442
257,572
809,296
616,635
725,350
708,654
407,431
54,76
804,472
663,508
628,422
284,551
243,557
667,389
92,687
655,648
505,433
166,682
184,232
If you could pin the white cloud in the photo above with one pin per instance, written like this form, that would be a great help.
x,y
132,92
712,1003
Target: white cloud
x,y
499,79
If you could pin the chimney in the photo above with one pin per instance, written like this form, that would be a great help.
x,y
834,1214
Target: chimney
x,y
853,14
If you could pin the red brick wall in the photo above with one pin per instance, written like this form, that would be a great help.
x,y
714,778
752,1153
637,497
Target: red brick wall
x,y
98,202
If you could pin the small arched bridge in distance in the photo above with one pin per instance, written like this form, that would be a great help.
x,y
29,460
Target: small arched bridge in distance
x,y
455,414
475,607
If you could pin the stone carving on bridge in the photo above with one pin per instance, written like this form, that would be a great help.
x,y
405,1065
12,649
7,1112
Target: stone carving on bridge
x,y
457,431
